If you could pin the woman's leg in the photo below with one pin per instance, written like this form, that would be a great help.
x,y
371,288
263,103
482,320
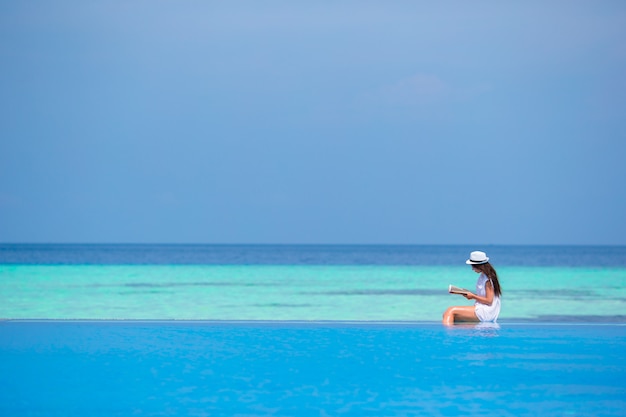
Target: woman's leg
x,y
459,313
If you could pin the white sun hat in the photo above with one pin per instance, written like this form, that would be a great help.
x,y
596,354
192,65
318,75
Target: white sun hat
x,y
477,258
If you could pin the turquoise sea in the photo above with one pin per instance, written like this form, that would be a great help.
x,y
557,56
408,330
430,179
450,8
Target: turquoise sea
x,y
218,330
303,282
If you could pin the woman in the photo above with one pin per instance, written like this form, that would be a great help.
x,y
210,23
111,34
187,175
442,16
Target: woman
x,y
487,305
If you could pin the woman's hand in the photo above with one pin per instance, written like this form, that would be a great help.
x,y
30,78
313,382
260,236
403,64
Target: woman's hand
x,y
469,296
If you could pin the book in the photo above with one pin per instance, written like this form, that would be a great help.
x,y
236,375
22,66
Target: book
x,y
456,290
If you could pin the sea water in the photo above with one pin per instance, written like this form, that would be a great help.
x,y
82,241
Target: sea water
x,y
201,330
303,282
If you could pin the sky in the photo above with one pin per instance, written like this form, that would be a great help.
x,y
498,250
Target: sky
x,y
325,122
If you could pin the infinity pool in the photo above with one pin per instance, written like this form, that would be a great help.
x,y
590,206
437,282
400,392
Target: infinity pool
x,y
156,368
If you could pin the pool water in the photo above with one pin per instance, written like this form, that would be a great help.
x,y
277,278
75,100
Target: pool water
x,y
281,368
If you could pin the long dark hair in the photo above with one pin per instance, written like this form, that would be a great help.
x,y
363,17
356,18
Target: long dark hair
x,y
488,270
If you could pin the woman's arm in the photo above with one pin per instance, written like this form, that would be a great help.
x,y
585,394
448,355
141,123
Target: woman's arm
x,y
487,299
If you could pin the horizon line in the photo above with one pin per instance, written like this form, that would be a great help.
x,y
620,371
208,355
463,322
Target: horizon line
x,y
300,244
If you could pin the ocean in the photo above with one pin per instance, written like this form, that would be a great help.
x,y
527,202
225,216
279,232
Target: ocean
x,y
304,282
262,330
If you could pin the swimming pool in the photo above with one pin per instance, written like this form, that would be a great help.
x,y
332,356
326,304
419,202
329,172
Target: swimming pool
x,y
230,368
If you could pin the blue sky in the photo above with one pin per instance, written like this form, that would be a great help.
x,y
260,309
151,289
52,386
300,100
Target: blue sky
x,y
450,122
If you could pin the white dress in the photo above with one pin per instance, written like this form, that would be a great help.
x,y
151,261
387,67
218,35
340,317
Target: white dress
x,y
486,312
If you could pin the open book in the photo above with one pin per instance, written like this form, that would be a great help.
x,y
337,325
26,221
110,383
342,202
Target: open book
x,y
456,290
